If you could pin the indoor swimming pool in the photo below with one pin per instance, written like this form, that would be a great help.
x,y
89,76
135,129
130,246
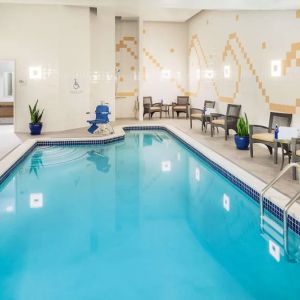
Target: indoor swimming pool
x,y
140,218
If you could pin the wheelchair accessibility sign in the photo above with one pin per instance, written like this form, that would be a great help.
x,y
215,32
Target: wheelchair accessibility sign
x,y
76,87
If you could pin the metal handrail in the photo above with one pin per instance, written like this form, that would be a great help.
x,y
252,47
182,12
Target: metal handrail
x,y
285,221
269,185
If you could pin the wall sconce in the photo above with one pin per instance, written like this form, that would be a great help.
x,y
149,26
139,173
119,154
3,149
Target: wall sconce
x,y
35,73
226,71
209,74
276,68
226,202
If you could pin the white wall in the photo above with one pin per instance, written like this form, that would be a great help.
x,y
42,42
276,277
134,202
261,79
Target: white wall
x,y
55,38
165,63
249,41
102,32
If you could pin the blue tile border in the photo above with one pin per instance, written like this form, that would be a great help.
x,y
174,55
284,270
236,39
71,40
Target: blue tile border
x,y
276,211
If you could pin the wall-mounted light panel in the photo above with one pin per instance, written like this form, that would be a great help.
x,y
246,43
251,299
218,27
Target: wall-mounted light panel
x,y
209,74
165,74
227,71
35,72
276,68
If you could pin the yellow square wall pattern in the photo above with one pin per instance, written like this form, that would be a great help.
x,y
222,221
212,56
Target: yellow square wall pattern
x,y
255,88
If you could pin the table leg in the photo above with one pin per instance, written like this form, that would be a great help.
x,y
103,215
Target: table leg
x,y
282,157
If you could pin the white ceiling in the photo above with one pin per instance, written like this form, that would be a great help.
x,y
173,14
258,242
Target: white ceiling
x,y
169,10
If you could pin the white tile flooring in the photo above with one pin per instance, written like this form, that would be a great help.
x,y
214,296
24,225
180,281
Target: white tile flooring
x,y
261,165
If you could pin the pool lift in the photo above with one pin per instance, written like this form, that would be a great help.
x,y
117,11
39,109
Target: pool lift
x,y
276,233
101,124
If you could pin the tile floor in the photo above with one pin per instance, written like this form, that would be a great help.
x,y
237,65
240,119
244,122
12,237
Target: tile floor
x,y
261,165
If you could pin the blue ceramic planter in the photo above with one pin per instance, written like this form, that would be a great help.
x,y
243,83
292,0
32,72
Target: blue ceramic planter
x,y
242,142
35,129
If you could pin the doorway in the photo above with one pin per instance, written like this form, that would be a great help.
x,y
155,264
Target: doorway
x,y
7,92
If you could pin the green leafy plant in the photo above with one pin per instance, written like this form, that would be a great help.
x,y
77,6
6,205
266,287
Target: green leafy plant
x,y
243,126
35,114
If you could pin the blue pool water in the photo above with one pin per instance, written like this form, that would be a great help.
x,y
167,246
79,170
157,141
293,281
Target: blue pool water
x,y
143,218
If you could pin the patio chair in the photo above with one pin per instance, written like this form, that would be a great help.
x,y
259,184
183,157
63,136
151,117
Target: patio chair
x,y
199,114
151,108
228,121
265,135
295,148
181,106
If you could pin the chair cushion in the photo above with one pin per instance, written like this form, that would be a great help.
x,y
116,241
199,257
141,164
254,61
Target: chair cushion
x,y
153,108
218,121
183,107
197,116
298,152
266,137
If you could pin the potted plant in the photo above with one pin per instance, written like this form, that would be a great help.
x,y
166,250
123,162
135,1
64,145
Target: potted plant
x,y
242,137
36,116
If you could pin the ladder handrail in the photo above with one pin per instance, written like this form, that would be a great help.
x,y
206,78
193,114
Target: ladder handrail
x,y
285,221
270,184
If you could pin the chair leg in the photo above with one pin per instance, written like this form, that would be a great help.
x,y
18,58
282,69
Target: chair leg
x,y
294,173
172,114
212,130
270,149
191,123
251,149
275,153
226,134
282,158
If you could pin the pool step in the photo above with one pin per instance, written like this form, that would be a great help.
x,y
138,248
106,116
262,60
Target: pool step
x,y
270,232
273,224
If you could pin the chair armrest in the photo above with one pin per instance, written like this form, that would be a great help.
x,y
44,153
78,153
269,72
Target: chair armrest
x,y
193,109
216,115
157,104
253,127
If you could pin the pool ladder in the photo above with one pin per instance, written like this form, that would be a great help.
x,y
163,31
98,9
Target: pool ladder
x,y
280,233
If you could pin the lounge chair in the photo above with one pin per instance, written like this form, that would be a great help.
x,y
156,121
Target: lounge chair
x,y
265,135
199,114
151,108
227,121
181,106
295,148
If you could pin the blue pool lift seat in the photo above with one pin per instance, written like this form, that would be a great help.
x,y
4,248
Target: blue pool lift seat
x,y
102,120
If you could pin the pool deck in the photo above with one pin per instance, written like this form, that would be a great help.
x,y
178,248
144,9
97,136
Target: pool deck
x,y
261,165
